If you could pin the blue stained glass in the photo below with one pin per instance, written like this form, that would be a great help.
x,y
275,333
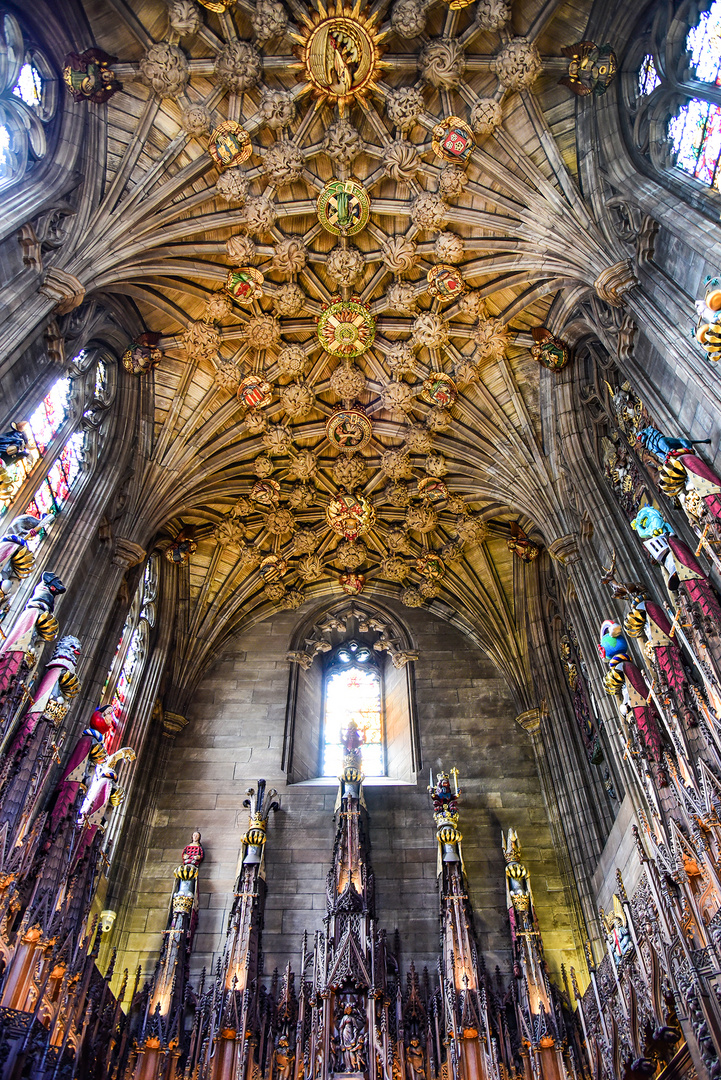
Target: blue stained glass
x,y
29,87
695,134
648,78
704,44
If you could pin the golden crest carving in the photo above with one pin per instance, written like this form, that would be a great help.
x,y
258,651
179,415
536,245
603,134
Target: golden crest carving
x,y
229,145
339,53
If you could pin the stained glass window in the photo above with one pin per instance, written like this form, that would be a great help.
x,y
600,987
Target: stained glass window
x,y
29,86
353,692
132,651
648,78
39,430
695,130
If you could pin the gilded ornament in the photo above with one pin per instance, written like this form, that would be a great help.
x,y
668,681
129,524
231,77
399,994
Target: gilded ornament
x,y
445,282
452,140
88,76
343,207
591,70
432,489
265,492
245,284
439,389
349,429
229,145
143,355
346,327
550,351
339,51
352,584
350,515
218,6
182,547
254,392
272,567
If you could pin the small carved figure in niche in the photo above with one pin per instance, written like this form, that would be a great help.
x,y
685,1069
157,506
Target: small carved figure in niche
x,y
283,1059
193,853
89,77
445,801
415,1060
615,926
350,1042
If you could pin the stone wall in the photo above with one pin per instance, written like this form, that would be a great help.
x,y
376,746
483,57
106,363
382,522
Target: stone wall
x,y
465,716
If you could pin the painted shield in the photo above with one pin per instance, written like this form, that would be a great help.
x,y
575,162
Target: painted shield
x,y
346,328
139,359
272,567
343,207
439,389
350,515
453,140
265,492
433,490
254,392
229,145
245,284
445,282
349,429
430,565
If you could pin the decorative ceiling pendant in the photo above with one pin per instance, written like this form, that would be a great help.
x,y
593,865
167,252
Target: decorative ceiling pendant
x,y
254,391
439,389
229,144
453,140
350,515
339,51
346,328
245,284
272,567
435,491
143,355
352,584
349,429
183,546
445,282
550,351
343,207
265,492
430,565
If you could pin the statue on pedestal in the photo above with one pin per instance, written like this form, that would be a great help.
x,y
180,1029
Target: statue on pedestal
x,y
89,751
35,621
16,559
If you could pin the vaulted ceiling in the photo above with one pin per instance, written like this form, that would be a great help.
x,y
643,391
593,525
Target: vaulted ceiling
x,y
356,98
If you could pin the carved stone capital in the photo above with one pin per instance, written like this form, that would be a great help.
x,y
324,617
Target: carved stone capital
x,y
530,721
64,288
127,553
55,344
173,723
565,549
614,281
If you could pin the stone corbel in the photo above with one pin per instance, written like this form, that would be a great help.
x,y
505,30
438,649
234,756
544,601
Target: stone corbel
x,y
530,721
29,242
127,553
565,549
64,288
55,344
303,658
173,724
402,657
614,281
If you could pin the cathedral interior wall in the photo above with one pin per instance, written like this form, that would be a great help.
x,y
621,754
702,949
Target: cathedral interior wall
x,y
235,735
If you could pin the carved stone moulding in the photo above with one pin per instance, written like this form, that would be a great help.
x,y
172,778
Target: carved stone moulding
x,y
530,720
614,281
565,549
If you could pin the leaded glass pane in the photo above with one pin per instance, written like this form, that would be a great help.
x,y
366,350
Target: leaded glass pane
x,y
695,134
704,44
648,78
353,694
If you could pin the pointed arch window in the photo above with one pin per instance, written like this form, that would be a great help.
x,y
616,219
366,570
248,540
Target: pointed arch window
x,y
131,655
60,437
28,101
353,691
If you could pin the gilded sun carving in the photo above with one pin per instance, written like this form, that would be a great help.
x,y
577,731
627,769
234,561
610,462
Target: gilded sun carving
x,y
339,53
